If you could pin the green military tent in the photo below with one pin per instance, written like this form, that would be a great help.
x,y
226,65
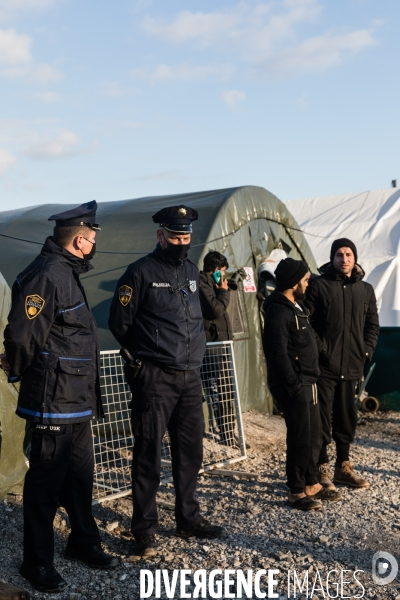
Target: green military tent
x,y
244,223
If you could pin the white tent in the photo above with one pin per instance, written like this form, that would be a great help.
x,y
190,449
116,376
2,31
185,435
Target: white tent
x,y
372,221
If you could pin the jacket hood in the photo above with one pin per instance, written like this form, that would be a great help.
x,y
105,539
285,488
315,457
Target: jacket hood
x,y
328,270
278,298
79,265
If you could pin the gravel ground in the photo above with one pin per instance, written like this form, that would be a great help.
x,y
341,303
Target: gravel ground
x,y
261,531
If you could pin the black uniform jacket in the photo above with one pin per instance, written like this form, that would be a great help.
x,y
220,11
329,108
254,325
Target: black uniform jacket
x,y
51,341
214,304
156,313
290,345
344,315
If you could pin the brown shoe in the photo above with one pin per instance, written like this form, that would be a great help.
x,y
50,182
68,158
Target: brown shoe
x,y
325,477
347,476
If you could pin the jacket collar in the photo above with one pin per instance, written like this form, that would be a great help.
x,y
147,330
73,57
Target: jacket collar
x,y
328,271
278,298
79,265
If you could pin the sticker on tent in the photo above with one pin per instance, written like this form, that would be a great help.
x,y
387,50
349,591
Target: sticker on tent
x,y
248,283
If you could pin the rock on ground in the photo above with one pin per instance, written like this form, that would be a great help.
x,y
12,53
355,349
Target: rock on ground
x,y
262,532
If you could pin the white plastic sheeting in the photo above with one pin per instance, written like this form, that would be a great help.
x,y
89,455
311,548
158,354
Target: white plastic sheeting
x,y
372,221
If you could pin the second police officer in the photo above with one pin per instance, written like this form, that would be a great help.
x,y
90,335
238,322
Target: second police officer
x,y
156,316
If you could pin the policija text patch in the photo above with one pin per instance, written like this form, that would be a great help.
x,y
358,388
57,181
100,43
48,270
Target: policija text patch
x,y
125,294
33,306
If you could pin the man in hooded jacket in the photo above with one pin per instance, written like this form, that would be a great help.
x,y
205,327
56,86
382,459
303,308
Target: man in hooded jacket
x,y
291,351
344,316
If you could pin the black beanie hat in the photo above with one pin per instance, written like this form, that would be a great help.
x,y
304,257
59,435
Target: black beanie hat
x,y
289,272
343,243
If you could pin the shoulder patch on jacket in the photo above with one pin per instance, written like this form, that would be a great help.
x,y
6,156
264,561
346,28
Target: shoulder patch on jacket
x,y
33,306
125,294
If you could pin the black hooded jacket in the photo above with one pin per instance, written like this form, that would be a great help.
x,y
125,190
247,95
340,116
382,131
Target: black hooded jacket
x,y
51,341
290,345
156,314
214,305
344,315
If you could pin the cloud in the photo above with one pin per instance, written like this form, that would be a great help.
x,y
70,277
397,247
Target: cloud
x,y
16,61
248,26
320,53
64,144
14,47
48,97
6,160
11,8
263,35
183,72
233,97
35,73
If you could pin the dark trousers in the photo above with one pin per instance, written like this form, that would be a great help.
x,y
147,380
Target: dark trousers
x,y
163,400
60,474
303,438
337,403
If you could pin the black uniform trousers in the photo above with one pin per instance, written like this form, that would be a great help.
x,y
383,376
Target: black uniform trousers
x,y
303,437
165,399
60,474
337,404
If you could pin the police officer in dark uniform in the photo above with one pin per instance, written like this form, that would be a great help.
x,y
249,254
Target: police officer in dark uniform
x,y
52,349
156,316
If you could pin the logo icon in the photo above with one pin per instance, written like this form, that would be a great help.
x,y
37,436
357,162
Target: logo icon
x,y
182,212
125,294
33,306
384,568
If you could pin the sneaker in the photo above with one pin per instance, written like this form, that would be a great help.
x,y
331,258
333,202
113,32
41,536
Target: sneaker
x,y
346,475
146,545
204,530
92,556
305,503
325,477
327,494
44,578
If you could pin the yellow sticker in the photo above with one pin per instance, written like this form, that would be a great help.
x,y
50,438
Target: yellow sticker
x,y
125,294
33,306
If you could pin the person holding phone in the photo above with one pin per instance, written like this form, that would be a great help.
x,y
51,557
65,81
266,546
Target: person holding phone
x,y
214,300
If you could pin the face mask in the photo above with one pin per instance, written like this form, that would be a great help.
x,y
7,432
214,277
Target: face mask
x,y
176,251
90,255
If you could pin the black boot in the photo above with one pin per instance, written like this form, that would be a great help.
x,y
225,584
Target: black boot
x,y
44,578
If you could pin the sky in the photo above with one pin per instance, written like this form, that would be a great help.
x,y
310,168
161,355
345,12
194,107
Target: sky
x,y
113,100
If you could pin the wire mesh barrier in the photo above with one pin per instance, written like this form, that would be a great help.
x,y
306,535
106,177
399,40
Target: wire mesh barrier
x,y
113,440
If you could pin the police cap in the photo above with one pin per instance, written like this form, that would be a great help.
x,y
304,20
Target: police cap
x,y
82,215
177,219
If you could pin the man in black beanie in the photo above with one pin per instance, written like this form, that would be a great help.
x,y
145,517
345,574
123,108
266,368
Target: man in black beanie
x,y
344,315
292,361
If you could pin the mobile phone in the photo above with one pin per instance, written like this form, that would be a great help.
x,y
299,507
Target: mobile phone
x,y
217,277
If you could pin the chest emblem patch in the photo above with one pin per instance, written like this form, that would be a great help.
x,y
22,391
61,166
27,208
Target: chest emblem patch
x,y
33,306
192,286
125,294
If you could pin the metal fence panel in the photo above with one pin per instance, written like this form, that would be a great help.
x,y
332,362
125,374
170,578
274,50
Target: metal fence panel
x,y
113,440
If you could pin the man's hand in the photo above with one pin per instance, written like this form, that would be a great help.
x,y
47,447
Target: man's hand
x,y
4,364
223,285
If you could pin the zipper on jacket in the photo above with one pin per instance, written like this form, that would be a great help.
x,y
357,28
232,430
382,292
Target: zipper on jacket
x,y
187,320
156,338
